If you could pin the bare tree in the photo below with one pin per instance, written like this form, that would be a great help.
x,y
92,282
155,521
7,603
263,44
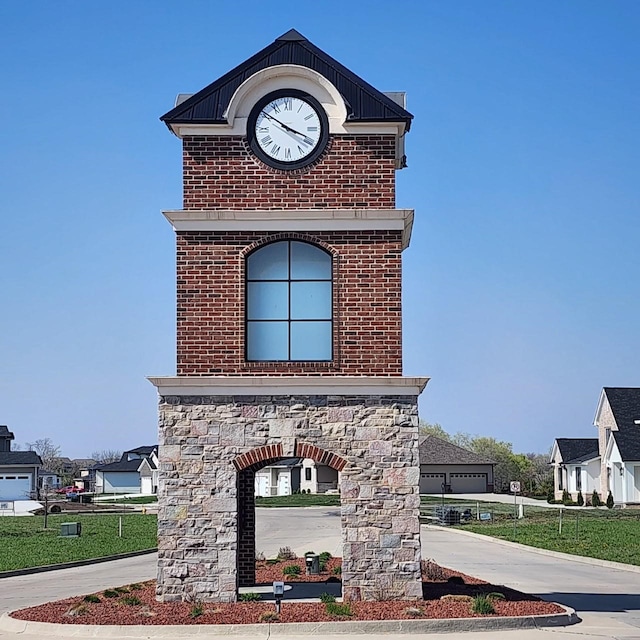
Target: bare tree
x,y
106,455
48,452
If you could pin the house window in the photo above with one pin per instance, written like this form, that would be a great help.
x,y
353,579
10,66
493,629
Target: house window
x,y
307,473
560,487
289,293
578,478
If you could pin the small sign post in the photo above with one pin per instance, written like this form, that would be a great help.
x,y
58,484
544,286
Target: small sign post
x,y
514,486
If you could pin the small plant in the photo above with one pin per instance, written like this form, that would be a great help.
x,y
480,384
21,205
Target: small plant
x,y
610,501
77,610
495,595
453,597
285,553
135,587
338,610
92,597
414,612
433,571
566,498
269,616
483,605
132,601
595,499
337,570
291,570
327,597
580,499
251,596
323,560
260,557
110,593
122,589
196,611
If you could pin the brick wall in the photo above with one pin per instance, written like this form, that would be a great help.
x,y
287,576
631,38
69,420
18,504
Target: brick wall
x,y
356,172
366,306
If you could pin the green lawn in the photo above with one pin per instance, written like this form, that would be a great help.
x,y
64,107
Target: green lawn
x,y
301,500
25,543
607,535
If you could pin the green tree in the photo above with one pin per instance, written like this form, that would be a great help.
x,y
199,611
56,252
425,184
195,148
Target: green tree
x,y
435,429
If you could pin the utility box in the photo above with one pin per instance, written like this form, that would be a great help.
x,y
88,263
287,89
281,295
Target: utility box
x,y
70,529
313,564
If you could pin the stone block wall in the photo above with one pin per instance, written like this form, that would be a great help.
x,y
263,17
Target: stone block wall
x,y
209,449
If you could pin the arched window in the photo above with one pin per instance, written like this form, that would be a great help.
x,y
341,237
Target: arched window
x,y
289,303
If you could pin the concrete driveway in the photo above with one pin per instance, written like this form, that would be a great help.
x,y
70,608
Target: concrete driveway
x,y
607,599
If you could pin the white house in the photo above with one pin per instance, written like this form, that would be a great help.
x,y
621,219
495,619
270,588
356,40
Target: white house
x,y
135,472
610,462
18,470
576,467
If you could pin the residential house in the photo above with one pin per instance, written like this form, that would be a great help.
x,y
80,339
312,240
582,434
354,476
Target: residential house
x,y
318,478
135,472
610,462
18,470
447,468
49,480
618,422
576,467
281,478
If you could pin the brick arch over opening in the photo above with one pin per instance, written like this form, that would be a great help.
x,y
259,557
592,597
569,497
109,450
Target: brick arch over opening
x,y
246,465
261,457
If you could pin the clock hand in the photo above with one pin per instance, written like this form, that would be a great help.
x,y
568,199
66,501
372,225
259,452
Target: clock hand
x,y
286,127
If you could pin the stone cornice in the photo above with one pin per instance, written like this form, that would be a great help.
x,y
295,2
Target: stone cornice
x,y
288,385
306,220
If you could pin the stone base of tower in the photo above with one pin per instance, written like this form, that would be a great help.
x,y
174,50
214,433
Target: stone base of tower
x,y
213,442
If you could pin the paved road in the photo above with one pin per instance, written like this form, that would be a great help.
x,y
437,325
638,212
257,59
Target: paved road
x,y
607,599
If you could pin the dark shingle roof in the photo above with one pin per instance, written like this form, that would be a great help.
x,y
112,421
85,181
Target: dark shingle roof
x,y
625,405
433,450
145,450
364,102
575,450
121,465
5,433
20,457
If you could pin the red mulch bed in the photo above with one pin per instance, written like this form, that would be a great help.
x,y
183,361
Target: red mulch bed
x,y
142,607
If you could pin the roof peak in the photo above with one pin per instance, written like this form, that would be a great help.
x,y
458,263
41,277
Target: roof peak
x,y
291,36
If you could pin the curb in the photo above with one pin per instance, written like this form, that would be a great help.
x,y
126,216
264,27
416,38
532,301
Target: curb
x,y
364,627
76,563
621,566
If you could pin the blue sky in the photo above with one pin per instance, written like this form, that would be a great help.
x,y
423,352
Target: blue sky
x,y
520,298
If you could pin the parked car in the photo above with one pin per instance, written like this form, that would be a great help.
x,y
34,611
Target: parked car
x,y
70,489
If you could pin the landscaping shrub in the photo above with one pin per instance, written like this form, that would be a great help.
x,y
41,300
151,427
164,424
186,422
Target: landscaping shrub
x,y
110,593
338,610
285,553
196,611
433,571
92,597
414,612
337,570
566,498
610,500
327,597
251,596
260,557
132,601
551,496
291,570
269,616
580,500
595,499
482,604
495,595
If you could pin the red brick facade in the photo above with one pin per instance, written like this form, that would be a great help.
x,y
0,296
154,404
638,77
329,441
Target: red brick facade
x,y
355,172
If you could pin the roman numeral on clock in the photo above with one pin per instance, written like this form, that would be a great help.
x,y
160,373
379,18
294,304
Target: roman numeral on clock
x,y
287,154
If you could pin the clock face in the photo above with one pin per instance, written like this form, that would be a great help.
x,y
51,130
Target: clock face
x,y
288,129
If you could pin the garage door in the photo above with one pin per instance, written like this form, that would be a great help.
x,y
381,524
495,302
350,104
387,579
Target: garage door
x,y
468,482
15,486
431,482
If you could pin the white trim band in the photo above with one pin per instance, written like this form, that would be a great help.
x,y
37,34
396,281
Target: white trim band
x,y
304,220
288,385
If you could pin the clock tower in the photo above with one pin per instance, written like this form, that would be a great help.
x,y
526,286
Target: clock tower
x,y
289,339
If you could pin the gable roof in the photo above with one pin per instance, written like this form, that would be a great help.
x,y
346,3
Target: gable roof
x,y
5,433
434,450
121,465
625,406
574,450
364,103
145,450
30,458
